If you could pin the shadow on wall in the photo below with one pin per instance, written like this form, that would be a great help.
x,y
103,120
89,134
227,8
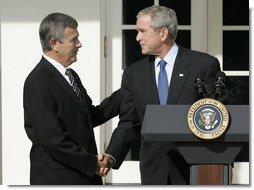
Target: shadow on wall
x,y
32,11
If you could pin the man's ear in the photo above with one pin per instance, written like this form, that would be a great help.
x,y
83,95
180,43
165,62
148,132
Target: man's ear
x,y
164,33
54,44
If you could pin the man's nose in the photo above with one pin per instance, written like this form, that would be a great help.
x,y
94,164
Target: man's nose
x,y
138,36
79,45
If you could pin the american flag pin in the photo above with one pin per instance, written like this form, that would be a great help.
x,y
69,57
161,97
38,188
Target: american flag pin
x,y
181,75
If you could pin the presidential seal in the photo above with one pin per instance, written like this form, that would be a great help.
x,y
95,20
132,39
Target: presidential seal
x,y
208,118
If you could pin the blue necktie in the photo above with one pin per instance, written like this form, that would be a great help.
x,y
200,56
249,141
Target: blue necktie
x,y
163,83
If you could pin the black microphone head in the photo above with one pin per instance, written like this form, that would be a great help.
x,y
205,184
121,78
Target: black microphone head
x,y
219,85
198,80
200,87
221,76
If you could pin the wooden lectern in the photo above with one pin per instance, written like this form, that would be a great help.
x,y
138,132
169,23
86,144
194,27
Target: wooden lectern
x,y
210,160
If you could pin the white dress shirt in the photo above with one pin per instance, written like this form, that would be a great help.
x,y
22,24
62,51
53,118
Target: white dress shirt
x,y
170,59
58,66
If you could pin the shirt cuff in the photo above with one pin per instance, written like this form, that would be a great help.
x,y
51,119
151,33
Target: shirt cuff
x,y
112,159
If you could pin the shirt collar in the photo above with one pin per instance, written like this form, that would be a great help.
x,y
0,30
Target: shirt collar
x,y
56,64
172,53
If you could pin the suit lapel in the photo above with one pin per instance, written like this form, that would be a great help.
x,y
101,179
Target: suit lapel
x,y
149,81
179,76
61,82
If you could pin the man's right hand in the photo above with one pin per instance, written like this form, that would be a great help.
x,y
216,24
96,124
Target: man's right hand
x,y
105,163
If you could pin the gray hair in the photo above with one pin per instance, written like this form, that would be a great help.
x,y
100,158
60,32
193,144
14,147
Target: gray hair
x,y
53,26
161,17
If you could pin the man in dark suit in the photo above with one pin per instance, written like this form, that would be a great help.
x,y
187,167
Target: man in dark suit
x,y
58,113
142,84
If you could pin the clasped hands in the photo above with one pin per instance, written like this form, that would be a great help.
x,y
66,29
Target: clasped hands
x,y
105,163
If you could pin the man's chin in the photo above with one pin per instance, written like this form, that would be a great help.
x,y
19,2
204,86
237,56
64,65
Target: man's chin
x,y
144,52
74,59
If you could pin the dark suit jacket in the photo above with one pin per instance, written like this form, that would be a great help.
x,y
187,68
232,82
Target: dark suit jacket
x,y
160,163
61,128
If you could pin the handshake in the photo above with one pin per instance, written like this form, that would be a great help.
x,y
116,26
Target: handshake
x,y
105,163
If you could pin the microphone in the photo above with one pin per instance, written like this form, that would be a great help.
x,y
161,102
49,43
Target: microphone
x,y
219,85
200,87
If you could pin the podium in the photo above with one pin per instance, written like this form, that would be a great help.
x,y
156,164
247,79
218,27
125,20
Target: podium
x,y
210,160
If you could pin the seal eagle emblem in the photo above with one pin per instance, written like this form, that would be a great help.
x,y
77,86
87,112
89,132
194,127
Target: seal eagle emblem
x,y
208,118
